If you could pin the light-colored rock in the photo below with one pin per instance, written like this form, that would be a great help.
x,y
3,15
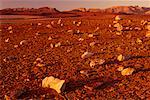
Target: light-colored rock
x,y
86,55
49,38
121,57
10,31
90,35
59,21
120,68
127,71
95,62
117,18
148,27
119,33
147,34
23,41
7,40
52,22
15,46
54,83
58,44
138,41
9,28
39,24
51,45
48,26
79,23
81,39
92,44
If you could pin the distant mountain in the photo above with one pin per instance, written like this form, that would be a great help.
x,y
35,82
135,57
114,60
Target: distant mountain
x,y
29,11
127,9
75,12
79,10
117,9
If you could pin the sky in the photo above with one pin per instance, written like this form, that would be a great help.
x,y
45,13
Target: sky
x,y
71,4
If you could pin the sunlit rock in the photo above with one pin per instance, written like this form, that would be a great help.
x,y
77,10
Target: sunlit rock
x,y
53,83
86,55
127,71
95,62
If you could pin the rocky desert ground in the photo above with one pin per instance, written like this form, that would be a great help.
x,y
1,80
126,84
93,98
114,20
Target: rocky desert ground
x,y
101,57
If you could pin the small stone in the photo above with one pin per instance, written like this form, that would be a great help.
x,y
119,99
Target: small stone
x,y
10,31
92,44
51,45
84,73
148,27
81,39
86,55
90,35
58,44
59,21
79,23
88,87
119,33
97,28
138,40
70,31
61,24
52,22
74,22
49,38
10,28
120,57
23,41
127,71
7,40
115,22
39,24
117,18
137,28
15,46
7,97
120,68
96,62
109,25
48,26
147,34
54,83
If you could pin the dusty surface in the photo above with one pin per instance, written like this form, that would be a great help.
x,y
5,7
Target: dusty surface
x,y
20,78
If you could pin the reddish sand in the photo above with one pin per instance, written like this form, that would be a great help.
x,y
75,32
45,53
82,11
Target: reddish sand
x,y
21,79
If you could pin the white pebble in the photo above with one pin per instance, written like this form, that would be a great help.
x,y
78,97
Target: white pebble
x,y
86,55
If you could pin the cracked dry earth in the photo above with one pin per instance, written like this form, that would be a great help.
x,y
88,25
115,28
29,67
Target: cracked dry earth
x,y
60,52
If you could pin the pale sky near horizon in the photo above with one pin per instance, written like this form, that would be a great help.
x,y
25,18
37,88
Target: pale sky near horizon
x,y
71,4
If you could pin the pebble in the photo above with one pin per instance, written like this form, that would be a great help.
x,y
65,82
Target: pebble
x,y
147,34
119,33
51,45
39,24
79,23
96,62
90,35
120,68
54,83
23,41
49,38
10,28
92,44
84,72
59,21
48,26
81,39
74,22
148,27
58,44
52,22
117,18
10,31
138,40
120,57
7,40
127,71
86,55
15,46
